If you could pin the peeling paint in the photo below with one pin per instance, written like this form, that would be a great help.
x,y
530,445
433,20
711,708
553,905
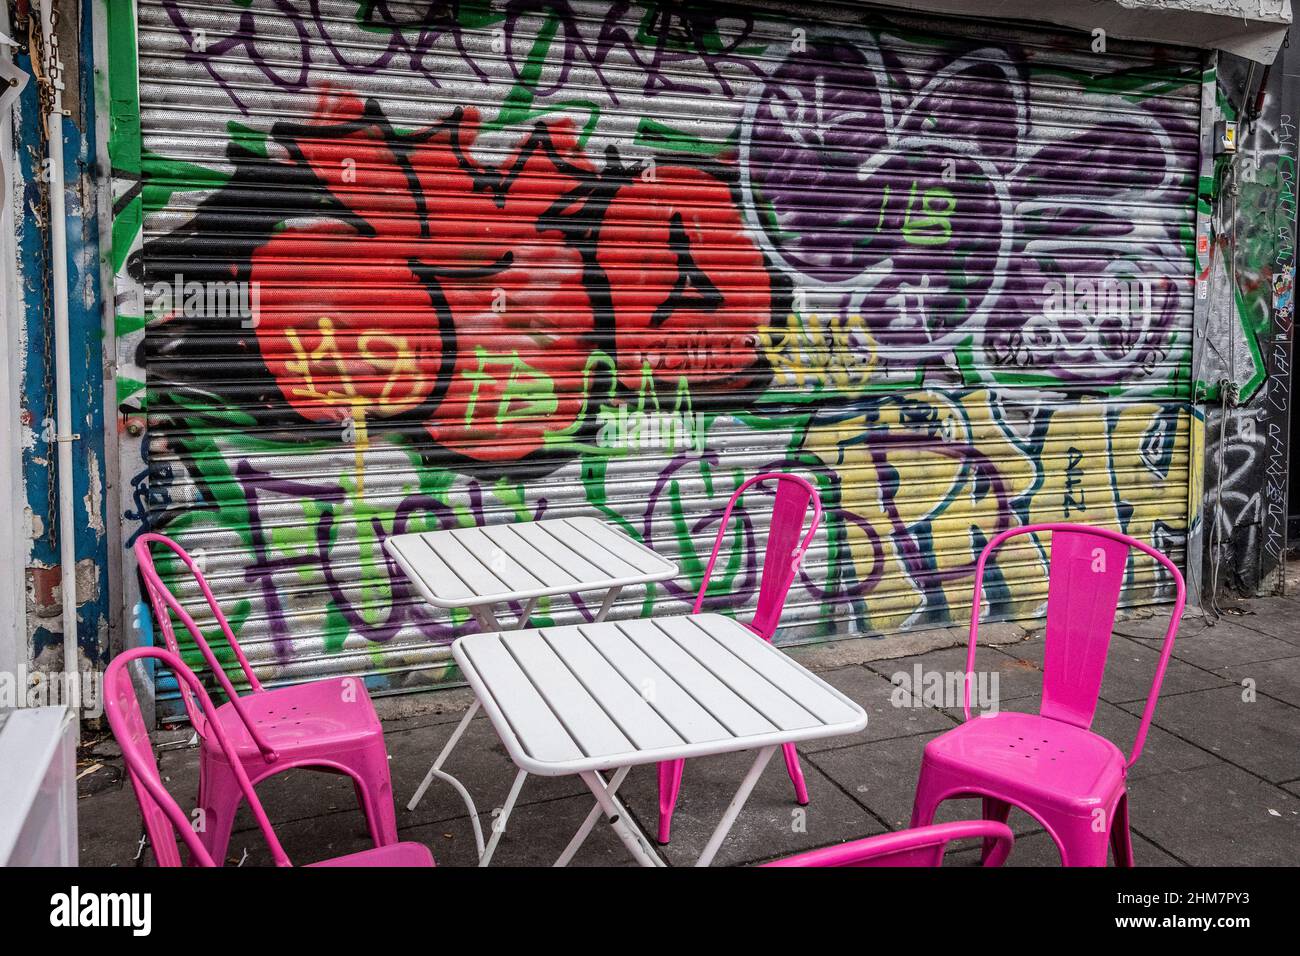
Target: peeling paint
x,y
87,578
94,497
30,359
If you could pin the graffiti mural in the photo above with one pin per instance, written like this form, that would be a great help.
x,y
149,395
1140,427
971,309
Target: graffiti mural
x,y
403,266
1245,369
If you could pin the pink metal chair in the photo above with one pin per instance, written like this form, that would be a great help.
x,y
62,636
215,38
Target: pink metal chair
x,y
923,846
781,560
163,816
327,725
1050,764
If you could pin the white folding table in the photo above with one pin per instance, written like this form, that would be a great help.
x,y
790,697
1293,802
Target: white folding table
x,y
482,567
592,698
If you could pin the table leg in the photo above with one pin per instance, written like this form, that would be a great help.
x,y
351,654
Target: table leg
x,y
499,824
525,614
583,831
737,804
486,617
606,604
437,771
605,800
487,621
632,837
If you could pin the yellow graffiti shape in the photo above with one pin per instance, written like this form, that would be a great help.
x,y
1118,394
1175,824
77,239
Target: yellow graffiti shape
x,y
930,477
381,377
364,382
834,354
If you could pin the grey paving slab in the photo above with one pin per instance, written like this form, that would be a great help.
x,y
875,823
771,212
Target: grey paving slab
x,y
886,718
535,835
298,795
1146,853
1199,649
1153,626
108,821
1014,680
881,776
770,825
1162,752
1280,679
1262,736
1228,643
408,711
305,840
1217,816
480,762
1130,667
1279,619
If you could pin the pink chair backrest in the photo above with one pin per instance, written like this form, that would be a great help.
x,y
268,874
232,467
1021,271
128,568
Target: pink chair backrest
x,y
165,604
922,846
1083,586
163,816
1085,577
785,548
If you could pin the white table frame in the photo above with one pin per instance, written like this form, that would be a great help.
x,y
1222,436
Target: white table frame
x,y
527,562
738,654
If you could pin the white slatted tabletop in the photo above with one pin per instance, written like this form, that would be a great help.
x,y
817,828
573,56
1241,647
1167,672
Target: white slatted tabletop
x,y
491,564
613,695
591,696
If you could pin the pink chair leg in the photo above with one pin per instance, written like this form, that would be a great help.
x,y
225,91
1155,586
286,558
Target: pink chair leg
x,y
670,784
796,773
929,795
220,802
997,810
363,801
1079,841
1121,839
375,792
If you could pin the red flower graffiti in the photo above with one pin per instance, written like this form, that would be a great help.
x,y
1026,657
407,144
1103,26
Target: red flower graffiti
x,y
453,293
689,288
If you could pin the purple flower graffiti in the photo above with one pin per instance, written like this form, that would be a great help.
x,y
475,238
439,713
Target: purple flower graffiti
x,y
918,195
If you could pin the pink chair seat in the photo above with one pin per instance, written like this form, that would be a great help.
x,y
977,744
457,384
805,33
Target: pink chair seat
x,y
1058,763
394,854
321,717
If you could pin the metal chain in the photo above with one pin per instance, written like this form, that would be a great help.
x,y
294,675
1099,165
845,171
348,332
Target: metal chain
x,y
48,69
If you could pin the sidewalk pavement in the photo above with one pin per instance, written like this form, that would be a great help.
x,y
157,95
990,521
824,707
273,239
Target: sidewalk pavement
x,y
1218,782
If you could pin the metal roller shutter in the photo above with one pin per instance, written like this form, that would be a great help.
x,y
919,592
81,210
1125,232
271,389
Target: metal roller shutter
x,y
485,262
